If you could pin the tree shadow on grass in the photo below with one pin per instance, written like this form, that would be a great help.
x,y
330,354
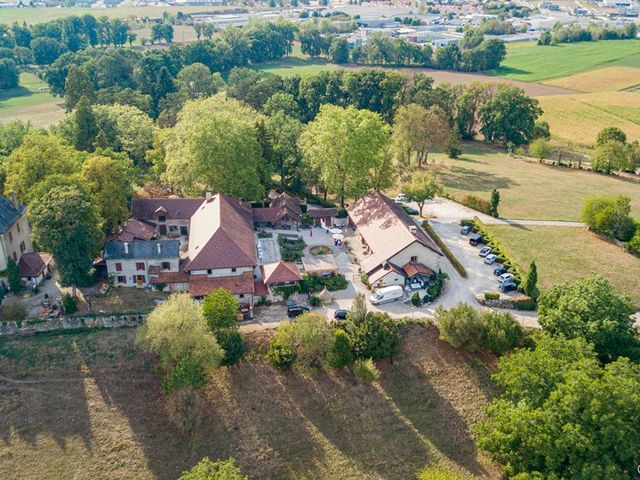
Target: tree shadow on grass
x,y
462,178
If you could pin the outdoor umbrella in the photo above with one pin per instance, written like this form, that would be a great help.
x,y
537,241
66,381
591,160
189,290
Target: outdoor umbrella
x,y
335,230
337,236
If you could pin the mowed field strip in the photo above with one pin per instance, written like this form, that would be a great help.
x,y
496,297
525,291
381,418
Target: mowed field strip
x,y
534,63
528,189
600,80
27,103
568,254
578,118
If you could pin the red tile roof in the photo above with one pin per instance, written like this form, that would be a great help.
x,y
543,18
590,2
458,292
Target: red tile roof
x,y
221,235
412,269
266,215
133,229
260,289
167,277
280,272
32,264
201,285
173,208
322,212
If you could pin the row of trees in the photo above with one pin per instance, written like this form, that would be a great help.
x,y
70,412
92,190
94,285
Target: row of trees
x,y
577,33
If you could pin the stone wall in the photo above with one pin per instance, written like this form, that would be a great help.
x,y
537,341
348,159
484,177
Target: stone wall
x,y
31,326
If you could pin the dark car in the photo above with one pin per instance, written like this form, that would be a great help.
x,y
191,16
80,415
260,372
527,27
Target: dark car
x,y
475,239
499,271
508,287
410,210
296,311
466,230
340,314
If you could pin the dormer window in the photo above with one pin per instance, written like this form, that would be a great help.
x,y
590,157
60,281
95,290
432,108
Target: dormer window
x,y
162,218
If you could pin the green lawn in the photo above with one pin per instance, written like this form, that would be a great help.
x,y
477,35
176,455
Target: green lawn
x,y
28,104
566,254
295,65
533,63
528,189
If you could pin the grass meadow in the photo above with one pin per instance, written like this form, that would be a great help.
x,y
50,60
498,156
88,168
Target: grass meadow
x,y
567,254
28,104
533,63
578,118
528,189
605,79
89,406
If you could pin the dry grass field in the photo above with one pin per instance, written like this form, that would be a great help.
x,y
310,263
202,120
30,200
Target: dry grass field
x,y
89,406
567,254
528,189
606,79
578,118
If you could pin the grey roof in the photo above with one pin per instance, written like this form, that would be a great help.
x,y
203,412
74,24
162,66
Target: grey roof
x,y
8,213
142,249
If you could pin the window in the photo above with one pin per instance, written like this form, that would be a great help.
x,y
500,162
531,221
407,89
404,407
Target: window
x,y
122,279
139,265
18,225
166,265
162,218
209,272
23,247
241,295
10,237
173,228
414,258
233,269
184,231
119,267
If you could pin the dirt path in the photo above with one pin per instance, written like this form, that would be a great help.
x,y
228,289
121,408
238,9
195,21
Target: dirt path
x,y
441,76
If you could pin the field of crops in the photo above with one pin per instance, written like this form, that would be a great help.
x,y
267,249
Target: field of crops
x,y
579,118
606,79
532,63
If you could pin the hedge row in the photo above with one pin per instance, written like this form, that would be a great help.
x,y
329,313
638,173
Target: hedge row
x,y
436,238
475,202
503,256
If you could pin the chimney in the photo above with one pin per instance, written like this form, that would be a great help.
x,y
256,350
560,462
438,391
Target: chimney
x,y
159,248
14,199
207,195
413,229
126,248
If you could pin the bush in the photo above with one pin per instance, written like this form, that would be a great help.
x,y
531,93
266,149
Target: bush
x,y
461,327
609,216
230,340
187,372
366,371
477,203
377,336
13,311
281,352
491,296
502,331
13,276
315,301
633,245
220,309
341,354
70,304
313,340
205,469
416,301
525,304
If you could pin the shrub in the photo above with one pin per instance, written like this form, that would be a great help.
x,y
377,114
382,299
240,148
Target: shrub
x,y
341,354
461,327
205,469
285,291
187,372
525,304
377,336
230,340
415,300
281,352
13,311
220,309
366,371
491,296
13,276
70,304
633,245
611,134
502,331
315,301
477,203
609,216
313,340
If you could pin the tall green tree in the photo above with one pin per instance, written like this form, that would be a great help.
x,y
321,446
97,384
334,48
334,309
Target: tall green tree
x,y
77,85
347,147
220,309
214,144
417,130
591,308
509,116
13,276
85,127
109,181
531,281
283,133
609,216
423,186
66,223
495,202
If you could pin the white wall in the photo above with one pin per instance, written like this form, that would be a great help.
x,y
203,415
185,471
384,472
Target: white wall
x,y
425,255
9,247
391,278
223,272
129,269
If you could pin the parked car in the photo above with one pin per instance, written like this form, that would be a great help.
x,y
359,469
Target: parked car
x,y
475,239
499,271
340,314
508,287
506,277
466,230
484,251
401,198
490,259
410,210
296,311
386,294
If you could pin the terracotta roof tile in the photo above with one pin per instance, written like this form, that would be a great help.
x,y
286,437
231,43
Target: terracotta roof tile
x,y
412,269
201,285
32,264
280,272
174,208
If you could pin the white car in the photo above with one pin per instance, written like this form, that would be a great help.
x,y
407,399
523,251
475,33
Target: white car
x,y
484,251
505,277
401,198
490,259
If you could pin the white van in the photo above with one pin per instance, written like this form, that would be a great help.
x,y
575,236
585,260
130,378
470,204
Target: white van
x,y
386,294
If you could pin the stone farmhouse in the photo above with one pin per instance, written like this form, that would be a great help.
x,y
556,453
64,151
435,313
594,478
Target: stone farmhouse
x,y
15,232
399,251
